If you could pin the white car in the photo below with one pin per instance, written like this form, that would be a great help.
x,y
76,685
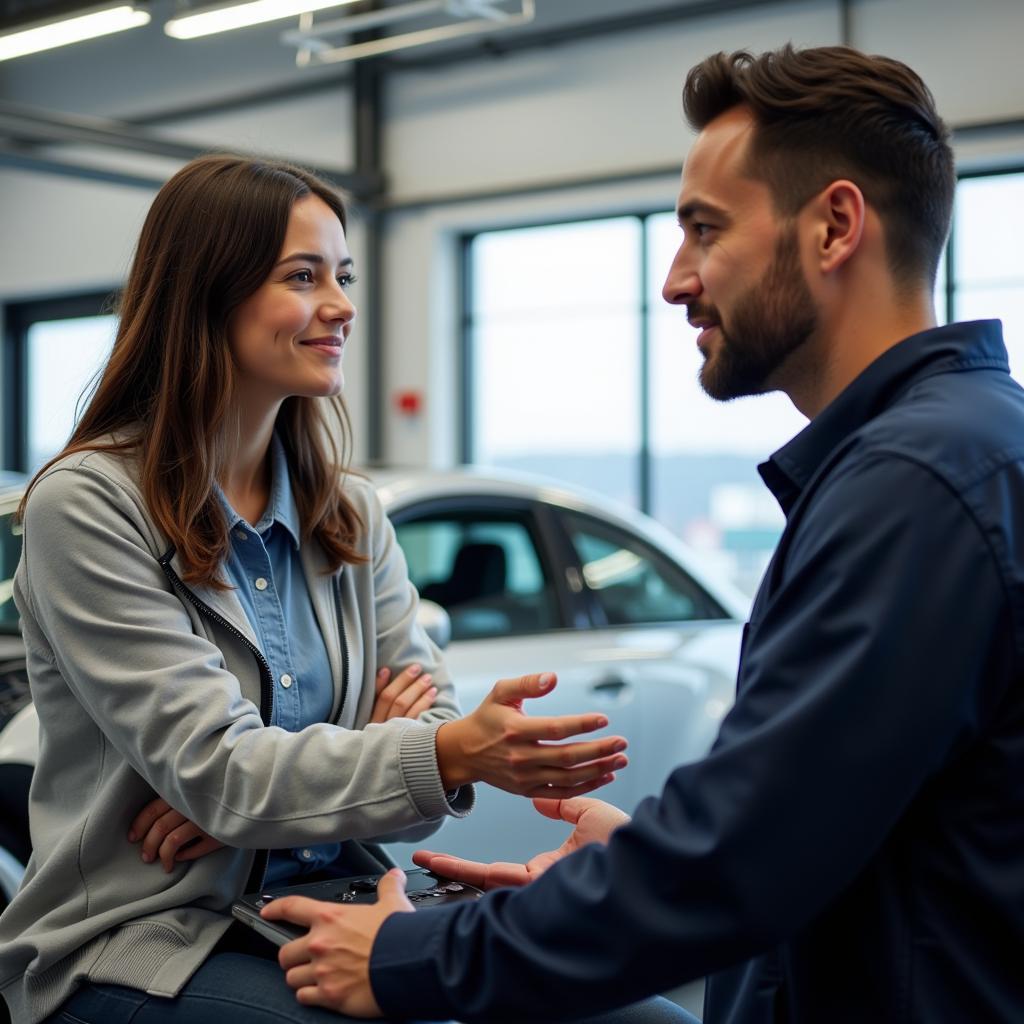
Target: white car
x,y
535,577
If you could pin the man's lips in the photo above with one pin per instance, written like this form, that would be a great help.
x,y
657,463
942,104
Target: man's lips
x,y
706,327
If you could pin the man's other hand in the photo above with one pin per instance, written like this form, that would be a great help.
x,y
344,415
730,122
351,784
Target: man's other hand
x,y
594,822
330,965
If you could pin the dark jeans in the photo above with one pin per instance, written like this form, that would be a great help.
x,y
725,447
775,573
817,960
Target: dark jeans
x,y
231,988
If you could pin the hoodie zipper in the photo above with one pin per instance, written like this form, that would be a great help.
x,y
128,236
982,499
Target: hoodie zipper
x,y
259,867
344,646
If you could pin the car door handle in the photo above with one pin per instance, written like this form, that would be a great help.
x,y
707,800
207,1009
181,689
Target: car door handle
x,y
610,688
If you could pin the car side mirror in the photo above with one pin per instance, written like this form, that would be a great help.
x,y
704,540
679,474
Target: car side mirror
x,y
436,622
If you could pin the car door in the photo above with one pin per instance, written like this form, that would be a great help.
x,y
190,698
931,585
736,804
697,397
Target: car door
x,y
490,562
675,648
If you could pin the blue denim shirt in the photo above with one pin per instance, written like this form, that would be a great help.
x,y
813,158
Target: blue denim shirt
x,y
851,849
265,569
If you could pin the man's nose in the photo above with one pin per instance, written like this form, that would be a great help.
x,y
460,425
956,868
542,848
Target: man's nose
x,y
682,285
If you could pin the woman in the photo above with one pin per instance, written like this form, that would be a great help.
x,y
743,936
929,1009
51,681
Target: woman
x,y
206,600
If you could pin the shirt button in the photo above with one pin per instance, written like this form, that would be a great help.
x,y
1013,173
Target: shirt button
x,y
261,584
241,534
306,854
286,680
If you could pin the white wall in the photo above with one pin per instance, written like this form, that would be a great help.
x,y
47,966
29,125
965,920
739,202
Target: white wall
x,y
63,235
604,106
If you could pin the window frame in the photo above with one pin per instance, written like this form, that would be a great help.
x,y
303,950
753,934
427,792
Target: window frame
x,y
644,469
19,318
536,518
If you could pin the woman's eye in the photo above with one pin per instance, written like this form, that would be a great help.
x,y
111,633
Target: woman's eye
x,y
302,276
347,279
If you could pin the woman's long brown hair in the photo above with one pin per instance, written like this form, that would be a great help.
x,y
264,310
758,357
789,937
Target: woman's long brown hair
x,y
211,238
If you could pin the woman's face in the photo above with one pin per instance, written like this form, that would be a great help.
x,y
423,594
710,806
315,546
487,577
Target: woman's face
x,y
287,338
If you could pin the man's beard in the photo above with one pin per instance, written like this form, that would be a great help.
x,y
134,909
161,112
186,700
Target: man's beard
x,y
771,321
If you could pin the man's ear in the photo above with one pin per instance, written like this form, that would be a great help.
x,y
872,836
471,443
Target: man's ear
x,y
839,215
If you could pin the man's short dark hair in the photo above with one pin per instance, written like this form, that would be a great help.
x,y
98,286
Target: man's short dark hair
x,y
833,112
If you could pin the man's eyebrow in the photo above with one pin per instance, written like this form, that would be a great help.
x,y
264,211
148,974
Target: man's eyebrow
x,y
311,257
697,208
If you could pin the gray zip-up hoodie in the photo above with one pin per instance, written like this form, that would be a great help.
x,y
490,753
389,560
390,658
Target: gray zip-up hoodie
x,y
145,685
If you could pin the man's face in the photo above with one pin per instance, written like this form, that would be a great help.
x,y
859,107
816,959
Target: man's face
x,y
738,269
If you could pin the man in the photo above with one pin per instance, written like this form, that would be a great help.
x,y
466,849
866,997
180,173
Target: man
x,y
851,849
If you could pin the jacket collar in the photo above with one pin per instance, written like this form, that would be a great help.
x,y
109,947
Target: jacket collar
x,y
950,349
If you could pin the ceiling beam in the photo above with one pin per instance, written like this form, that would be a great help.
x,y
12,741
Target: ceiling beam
x,y
27,127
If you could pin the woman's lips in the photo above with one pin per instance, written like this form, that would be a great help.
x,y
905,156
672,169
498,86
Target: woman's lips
x,y
327,346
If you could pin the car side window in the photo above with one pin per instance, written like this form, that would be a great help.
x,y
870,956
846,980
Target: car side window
x,y
483,569
629,582
10,551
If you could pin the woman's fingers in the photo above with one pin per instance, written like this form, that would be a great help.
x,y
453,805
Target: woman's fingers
x,y
425,703
158,832
193,851
405,702
398,697
144,820
171,837
556,792
184,833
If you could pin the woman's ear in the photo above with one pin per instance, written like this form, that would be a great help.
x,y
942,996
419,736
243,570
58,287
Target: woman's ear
x,y
838,214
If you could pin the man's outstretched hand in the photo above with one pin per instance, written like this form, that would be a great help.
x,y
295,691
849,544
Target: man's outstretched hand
x,y
594,822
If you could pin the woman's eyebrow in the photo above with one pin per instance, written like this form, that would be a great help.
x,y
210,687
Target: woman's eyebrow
x,y
312,257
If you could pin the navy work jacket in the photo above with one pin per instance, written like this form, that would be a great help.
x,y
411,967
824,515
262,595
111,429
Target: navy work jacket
x,y
852,848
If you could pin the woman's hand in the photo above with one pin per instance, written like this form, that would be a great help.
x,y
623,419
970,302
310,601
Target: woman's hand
x,y
497,743
594,822
169,836
408,695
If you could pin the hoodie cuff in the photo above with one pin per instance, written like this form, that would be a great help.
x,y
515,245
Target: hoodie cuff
x,y
417,752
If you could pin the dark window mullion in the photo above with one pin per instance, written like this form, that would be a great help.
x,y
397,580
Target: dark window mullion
x,y
645,466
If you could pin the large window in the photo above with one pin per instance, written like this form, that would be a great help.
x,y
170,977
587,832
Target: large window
x,y
53,353
577,369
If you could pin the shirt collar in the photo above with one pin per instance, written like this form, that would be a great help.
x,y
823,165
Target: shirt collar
x,y
281,507
949,349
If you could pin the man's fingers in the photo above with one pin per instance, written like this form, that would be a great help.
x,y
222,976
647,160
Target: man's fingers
x,y
300,910
569,811
301,976
391,888
501,874
144,819
514,691
550,808
455,868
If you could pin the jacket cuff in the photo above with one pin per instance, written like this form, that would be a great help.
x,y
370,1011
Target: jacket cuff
x,y
403,965
417,753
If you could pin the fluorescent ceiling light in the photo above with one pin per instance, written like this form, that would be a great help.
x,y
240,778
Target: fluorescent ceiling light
x,y
49,34
256,12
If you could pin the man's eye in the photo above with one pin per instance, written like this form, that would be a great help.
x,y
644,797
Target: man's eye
x,y
700,229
